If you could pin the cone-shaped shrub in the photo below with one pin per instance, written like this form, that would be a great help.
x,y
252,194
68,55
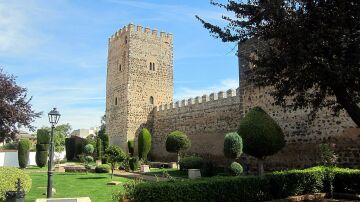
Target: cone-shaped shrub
x,y
41,158
131,147
98,148
261,135
144,141
232,146
23,152
42,146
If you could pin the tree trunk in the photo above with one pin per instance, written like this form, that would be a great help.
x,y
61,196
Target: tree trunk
x,y
261,167
178,160
112,172
351,107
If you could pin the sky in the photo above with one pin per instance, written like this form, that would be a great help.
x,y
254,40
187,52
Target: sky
x,y
58,50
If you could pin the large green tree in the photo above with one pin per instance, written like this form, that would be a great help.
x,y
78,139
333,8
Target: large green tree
x,y
60,133
15,107
311,49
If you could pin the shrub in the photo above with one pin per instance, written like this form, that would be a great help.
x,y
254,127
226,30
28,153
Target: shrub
x,y
41,158
208,169
104,168
10,146
42,136
191,162
89,149
131,147
261,135
176,142
23,152
235,168
98,148
232,146
70,148
134,163
8,178
346,180
144,141
114,155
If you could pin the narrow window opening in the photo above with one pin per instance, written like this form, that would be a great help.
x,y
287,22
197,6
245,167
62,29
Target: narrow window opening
x,y
150,66
126,40
116,101
151,100
120,69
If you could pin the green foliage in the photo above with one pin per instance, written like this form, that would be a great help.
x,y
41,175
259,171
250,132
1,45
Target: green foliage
x,y
131,147
134,163
191,162
177,141
261,135
105,140
235,168
89,149
104,168
114,155
70,148
8,178
43,136
10,146
327,155
23,152
88,159
98,148
232,146
42,147
60,133
346,180
208,169
41,158
144,141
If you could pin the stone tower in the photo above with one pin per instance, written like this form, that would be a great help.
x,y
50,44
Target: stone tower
x,y
139,77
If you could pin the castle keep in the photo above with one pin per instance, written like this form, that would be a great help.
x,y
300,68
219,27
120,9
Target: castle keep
x,y
139,93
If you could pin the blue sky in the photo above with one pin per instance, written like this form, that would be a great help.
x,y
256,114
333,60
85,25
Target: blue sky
x,y
58,50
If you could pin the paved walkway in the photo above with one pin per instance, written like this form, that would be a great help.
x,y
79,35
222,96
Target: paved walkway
x,y
132,175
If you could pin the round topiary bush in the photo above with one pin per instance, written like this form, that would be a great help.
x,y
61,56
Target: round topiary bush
x,y
232,146
8,178
104,168
23,152
191,162
235,168
261,135
134,163
144,141
89,149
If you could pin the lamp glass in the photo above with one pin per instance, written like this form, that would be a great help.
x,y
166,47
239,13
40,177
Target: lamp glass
x,y
54,116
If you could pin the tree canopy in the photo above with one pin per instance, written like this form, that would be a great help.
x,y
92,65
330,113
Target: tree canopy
x,y
15,107
60,133
311,52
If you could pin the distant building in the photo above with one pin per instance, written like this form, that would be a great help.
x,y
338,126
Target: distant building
x,y
83,133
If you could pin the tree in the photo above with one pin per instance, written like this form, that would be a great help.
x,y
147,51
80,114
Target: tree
x,y
98,148
176,142
261,136
105,140
23,152
15,107
114,155
310,53
88,150
144,140
61,132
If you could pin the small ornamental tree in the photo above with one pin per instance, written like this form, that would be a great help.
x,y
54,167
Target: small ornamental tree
x,y
23,152
144,143
114,155
88,150
176,142
232,150
261,135
98,148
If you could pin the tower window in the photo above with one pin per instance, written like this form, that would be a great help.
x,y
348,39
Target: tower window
x,y
120,69
151,101
152,66
116,101
126,40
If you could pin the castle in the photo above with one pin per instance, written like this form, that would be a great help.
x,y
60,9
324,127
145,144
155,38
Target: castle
x,y
139,93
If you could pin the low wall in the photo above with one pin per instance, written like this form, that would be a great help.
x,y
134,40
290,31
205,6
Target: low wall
x,y
9,158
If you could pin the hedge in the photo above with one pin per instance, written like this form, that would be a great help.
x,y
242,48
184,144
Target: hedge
x,y
272,186
8,178
191,162
70,148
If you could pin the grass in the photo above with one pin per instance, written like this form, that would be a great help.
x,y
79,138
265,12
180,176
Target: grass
x,y
67,185
171,171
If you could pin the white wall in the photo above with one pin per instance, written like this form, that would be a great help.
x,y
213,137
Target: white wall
x,y
10,158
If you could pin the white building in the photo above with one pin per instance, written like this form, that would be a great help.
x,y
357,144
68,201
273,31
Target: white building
x,y
83,133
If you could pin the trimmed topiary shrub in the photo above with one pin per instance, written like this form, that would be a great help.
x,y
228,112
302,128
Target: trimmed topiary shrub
x,y
104,168
8,178
98,148
134,163
70,148
176,142
23,152
232,146
42,147
235,168
144,141
41,158
191,162
89,149
261,135
131,147
43,136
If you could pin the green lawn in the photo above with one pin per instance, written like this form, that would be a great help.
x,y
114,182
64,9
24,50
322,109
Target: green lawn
x,y
91,185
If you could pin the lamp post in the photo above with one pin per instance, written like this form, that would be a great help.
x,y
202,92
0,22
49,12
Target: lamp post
x,y
54,117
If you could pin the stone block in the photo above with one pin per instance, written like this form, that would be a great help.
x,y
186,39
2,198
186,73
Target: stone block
x,y
144,168
98,162
194,173
172,165
113,183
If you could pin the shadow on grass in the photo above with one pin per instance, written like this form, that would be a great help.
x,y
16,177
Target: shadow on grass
x,y
94,178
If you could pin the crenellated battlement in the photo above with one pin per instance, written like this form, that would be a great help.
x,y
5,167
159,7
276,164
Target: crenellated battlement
x,y
221,95
138,29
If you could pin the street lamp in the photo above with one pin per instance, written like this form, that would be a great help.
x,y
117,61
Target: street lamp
x,y
54,117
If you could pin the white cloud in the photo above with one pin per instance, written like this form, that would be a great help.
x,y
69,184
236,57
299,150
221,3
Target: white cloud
x,y
185,93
